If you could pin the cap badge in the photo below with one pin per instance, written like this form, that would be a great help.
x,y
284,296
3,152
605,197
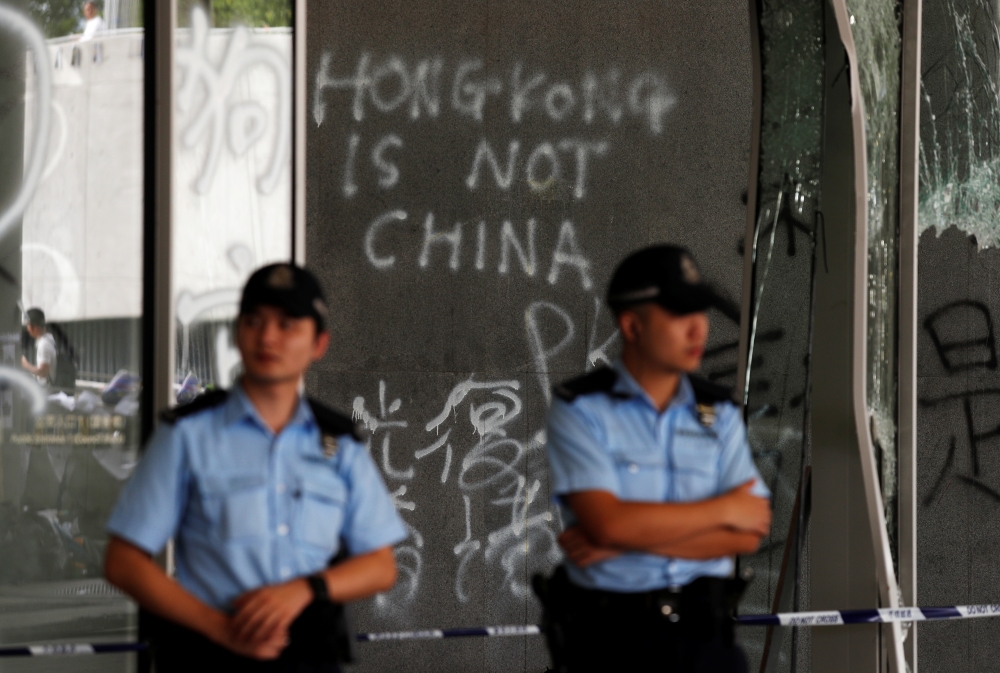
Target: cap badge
x,y
637,295
281,278
689,270
330,445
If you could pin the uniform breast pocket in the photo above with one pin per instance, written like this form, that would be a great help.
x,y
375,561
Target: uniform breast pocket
x,y
642,474
237,505
696,462
321,511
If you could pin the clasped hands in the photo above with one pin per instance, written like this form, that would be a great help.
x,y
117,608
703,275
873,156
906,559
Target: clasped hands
x,y
259,626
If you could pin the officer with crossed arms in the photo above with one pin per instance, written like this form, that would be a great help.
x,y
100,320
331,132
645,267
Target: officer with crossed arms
x,y
658,487
260,488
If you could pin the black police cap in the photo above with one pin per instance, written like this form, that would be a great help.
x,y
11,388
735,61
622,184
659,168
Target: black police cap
x,y
664,274
288,287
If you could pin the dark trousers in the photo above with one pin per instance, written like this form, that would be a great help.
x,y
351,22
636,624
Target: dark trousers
x,y
176,649
607,632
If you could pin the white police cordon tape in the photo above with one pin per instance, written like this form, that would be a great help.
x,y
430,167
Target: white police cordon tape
x,y
821,618
429,634
433,634
878,616
67,649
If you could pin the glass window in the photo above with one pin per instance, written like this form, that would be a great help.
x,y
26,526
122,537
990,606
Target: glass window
x,y
71,134
232,182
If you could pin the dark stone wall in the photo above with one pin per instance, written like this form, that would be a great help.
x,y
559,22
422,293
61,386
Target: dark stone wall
x,y
958,426
475,171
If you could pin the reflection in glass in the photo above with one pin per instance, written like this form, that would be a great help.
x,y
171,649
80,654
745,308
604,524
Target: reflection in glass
x,y
232,198
70,314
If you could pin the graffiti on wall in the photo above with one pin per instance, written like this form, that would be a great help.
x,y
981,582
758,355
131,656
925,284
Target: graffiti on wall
x,y
963,336
13,22
209,114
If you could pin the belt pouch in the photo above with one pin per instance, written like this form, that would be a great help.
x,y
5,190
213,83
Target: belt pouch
x,y
554,595
708,605
322,634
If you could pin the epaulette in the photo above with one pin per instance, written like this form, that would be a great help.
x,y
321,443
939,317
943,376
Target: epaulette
x,y
206,400
332,424
601,380
706,395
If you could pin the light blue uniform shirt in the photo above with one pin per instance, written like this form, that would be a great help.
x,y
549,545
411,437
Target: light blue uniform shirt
x,y
247,507
622,444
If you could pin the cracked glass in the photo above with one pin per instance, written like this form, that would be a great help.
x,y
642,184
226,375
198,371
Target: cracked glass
x,y
960,122
876,26
957,363
784,245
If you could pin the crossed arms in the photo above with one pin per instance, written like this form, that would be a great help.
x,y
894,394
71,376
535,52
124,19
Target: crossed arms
x,y
259,626
733,523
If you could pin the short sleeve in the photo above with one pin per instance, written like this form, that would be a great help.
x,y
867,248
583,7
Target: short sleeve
x,y
46,352
150,506
577,460
370,520
737,466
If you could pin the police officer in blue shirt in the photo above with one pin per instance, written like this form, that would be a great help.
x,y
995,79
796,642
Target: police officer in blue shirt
x,y
659,490
259,488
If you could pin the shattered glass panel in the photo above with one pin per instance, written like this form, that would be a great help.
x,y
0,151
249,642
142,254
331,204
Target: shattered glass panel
x,y
876,26
776,395
960,122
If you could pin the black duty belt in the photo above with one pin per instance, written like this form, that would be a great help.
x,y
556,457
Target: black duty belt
x,y
710,599
699,611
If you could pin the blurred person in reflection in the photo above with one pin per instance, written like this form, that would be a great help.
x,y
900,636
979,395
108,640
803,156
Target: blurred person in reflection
x,y
46,354
278,514
94,23
653,472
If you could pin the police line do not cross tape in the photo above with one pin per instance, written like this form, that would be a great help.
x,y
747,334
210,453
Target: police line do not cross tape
x,y
801,619
820,618
871,616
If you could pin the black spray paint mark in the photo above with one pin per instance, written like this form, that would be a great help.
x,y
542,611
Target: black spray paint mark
x,y
980,350
975,350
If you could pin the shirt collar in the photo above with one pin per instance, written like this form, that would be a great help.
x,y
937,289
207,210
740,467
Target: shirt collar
x,y
626,385
238,407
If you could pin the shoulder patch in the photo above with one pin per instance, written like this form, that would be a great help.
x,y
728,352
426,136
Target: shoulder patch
x,y
332,423
206,400
601,380
706,392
